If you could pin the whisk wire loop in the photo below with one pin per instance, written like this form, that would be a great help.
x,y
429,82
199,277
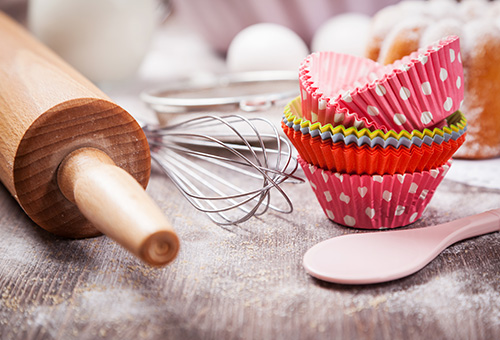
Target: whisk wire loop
x,y
226,166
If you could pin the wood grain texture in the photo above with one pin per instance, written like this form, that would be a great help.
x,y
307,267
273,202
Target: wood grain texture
x,y
48,110
117,205
245,282
242,283
60,131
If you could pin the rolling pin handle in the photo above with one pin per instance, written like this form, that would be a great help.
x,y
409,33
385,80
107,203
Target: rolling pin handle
x,y
117,205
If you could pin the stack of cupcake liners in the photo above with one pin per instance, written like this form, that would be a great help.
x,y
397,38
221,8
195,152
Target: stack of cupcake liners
x,y
365,152
376,141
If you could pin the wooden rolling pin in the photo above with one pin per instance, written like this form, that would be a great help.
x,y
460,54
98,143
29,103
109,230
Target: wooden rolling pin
x,y
76,162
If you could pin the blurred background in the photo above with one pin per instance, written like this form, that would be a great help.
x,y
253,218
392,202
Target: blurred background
x,y
126,46
107,40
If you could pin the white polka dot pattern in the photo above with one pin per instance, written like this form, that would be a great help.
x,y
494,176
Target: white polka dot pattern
x,y
339,118
372,110
372,202
347,97
370,212
380,90
328,196
413,188
404,93
325,175
344,198
426,88
349,221
423,59
413,217
362,191
426,117
387,196
399,210
416,92
448,104
399,119
443,74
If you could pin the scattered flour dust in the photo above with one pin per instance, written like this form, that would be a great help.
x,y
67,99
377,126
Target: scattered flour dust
x,y
438,299
482,173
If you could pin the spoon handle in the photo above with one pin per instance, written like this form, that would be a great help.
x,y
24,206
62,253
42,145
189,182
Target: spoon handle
x,y
467,227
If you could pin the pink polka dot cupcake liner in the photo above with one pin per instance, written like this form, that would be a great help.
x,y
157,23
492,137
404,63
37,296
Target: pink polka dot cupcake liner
x,y
373,202
324,74
416,92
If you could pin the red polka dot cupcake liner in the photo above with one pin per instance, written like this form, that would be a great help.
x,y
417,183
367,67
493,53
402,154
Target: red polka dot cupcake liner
x,y
416,92
373,202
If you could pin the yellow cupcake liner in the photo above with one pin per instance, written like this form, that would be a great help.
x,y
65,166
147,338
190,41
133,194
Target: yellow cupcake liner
x,y
293,113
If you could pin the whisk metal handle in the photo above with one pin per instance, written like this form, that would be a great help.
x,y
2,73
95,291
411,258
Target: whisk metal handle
x,y
117,205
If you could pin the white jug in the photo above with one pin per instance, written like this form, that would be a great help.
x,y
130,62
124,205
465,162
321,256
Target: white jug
x,y
106,40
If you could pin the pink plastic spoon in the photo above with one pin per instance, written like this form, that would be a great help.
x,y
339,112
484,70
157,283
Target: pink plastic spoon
x,y
384,256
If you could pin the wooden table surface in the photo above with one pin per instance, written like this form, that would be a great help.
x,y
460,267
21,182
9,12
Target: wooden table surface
x,y
245,282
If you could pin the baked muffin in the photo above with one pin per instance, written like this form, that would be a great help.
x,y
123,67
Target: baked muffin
x,y
477,23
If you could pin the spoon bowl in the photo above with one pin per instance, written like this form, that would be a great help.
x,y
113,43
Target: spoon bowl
x,y
376,257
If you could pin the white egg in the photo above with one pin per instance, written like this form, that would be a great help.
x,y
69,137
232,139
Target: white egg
x,y
266,46
346,33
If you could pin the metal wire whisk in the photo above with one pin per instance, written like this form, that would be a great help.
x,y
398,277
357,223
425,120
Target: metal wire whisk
x,y
226,166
